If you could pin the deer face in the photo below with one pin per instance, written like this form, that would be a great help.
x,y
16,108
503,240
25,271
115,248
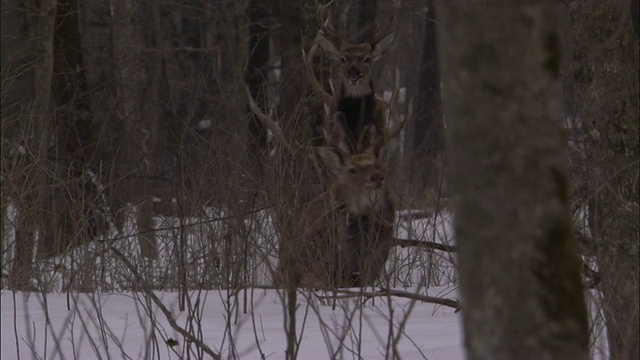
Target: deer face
x,y
358,178
355,69
355,63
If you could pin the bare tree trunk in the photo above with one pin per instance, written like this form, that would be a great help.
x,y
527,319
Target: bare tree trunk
x,y
291,170
428,128
367,11
288,166
257,80
607,96
519,271
139,131
42,18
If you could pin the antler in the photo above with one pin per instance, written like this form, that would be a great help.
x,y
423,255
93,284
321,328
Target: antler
x,y
393,105
325,37
382,33
308,64
266,119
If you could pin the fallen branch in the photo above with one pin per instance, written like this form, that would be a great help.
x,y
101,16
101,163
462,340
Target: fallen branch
x,y
425,244
389,292
165,311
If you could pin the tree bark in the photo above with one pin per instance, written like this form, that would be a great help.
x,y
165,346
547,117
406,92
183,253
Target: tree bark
x,y
428,128
31,218
519,272
139,132
257,73
367,11
606,94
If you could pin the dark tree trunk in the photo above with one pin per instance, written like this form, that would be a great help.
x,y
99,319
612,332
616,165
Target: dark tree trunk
x,y
519,271
139,133
31,218
367,11
606,80
257,78
428,128
67,225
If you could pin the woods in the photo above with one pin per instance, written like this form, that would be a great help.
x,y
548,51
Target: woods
x,y
311,146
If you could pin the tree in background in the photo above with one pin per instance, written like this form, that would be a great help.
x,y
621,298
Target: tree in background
x,y
605,73
428,127
519,272
31,188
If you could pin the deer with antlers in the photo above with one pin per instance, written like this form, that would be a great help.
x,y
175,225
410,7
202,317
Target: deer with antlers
x,y
349,222
361,183
355,105
356,205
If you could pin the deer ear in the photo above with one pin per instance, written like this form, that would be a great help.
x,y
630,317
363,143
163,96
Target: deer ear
x,y
381,47
330,158
328,46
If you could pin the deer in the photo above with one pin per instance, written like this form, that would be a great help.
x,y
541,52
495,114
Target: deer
x,y
355,105
361,183
348,220
356,204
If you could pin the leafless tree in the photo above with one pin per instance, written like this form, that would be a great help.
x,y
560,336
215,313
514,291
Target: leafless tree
x,y
519,272
605,76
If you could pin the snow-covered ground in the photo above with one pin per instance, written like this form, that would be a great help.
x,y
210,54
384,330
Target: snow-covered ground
x,y
111,321
127,326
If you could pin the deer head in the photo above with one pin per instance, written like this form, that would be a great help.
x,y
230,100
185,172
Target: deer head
x,y
359,179
355,62
355,59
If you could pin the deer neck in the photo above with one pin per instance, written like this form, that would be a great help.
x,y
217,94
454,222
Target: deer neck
x,y
359,112
357,91
366,202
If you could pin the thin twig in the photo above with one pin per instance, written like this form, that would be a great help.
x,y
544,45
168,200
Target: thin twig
x,y
172,322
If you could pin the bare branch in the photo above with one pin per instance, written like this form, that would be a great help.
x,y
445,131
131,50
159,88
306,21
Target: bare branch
x,y
390,292
172,322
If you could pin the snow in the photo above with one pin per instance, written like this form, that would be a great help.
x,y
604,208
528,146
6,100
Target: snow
x,y
113,322
125,325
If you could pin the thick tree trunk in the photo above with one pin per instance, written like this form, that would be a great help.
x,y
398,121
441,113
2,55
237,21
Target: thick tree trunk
x,y
606,93
428,128
257,73
519,272
140,132
30,205
367,11
291,167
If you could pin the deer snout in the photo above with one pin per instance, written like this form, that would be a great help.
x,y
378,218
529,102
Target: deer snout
x,y
377,179
354,73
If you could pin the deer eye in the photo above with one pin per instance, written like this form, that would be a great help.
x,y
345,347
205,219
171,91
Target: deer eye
x,y
352,170
367,60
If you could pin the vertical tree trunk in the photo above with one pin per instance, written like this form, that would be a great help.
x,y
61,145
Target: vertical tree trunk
x,y
367,11
298,118
606,79
256,78
519,273
42,18
139,132
428,128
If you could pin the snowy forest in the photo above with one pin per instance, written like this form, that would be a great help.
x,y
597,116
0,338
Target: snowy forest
x,y
344,179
